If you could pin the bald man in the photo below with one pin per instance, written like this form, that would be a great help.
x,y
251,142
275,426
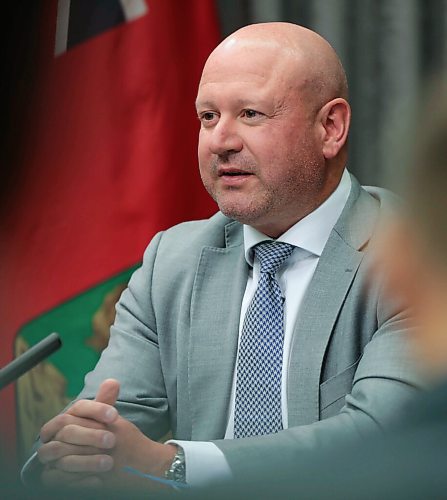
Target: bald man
x,y
255,332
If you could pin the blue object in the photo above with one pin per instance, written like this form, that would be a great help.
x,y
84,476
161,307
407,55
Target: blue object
x,y
166,482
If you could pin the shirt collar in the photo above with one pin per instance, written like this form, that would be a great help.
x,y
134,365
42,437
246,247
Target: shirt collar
x,y
312,232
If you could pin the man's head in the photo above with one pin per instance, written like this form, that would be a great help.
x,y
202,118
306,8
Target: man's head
x,y
414,249
274,123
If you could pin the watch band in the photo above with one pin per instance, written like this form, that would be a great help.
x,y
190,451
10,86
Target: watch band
x,y
177,470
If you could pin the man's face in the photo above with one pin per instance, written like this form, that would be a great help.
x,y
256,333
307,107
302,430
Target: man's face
x,y
258,150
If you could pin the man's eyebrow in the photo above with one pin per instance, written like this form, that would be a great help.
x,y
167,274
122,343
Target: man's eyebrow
x,y
204,104
238,102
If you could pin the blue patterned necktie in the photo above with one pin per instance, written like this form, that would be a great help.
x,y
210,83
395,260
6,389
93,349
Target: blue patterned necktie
x,y
259,366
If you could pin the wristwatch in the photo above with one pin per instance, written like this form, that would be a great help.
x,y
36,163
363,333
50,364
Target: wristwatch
x,y
177,470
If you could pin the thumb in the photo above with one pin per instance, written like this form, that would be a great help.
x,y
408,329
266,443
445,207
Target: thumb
x,y
108,392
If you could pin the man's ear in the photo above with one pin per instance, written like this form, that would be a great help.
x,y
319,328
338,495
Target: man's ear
x,y
334,119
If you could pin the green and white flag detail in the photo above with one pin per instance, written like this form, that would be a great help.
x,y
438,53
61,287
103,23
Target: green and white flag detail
x,y
83,324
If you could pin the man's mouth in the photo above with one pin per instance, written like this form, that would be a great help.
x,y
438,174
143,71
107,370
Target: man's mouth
x,y
232,173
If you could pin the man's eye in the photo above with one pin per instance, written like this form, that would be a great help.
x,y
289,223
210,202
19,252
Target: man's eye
x,y
251,113
208,116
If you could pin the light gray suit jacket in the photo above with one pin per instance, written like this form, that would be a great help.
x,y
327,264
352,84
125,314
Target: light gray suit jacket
x,y
173,346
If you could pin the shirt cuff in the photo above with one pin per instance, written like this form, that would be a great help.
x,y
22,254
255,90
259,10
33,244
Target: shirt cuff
x,y
205,463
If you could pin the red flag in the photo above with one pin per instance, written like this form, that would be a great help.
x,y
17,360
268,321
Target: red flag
x,y
112,155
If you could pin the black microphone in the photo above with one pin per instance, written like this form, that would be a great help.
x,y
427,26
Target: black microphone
x,y
29,359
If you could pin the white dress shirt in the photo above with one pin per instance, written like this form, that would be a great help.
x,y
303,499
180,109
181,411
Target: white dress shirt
x,y
205,462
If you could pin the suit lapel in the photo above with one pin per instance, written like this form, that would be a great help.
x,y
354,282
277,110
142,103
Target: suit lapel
x,y
318,312
321,305
215,312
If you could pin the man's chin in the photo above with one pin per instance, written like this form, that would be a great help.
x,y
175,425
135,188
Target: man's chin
x,y
244,216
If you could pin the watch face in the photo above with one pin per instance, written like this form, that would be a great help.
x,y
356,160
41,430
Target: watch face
x,y
177,471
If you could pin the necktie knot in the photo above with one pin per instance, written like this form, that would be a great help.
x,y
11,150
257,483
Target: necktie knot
x,y
272,254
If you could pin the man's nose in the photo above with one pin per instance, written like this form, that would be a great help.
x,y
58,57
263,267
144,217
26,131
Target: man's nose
x,y
225,138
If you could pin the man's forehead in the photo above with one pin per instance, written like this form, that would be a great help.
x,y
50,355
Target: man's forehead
x,y
243,67
252,60
249,55
241,87
241,74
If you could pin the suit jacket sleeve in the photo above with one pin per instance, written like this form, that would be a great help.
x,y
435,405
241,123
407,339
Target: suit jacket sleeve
x,y
132,356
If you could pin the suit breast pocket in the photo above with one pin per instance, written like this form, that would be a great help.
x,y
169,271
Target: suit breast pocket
x,y
334,390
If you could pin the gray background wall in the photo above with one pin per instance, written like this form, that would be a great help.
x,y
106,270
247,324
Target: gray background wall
x,y
388,47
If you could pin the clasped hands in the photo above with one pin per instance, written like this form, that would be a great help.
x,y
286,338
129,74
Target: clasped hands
x,y
89,444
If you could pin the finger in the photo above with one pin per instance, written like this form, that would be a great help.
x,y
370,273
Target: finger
x,y
54,477
89,482
75,434
85,463
108,391
94,410
53,426
54,450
